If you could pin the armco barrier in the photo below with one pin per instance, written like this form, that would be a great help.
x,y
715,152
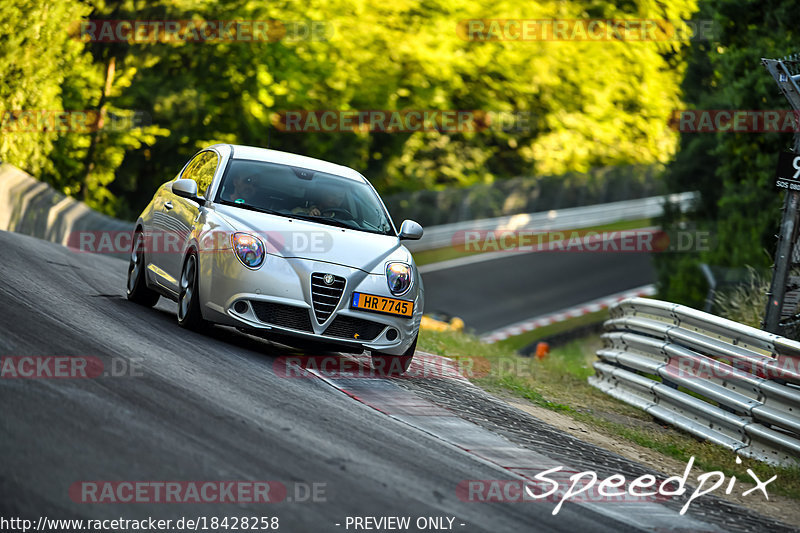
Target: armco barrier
x,y
564,219
33,208
723,381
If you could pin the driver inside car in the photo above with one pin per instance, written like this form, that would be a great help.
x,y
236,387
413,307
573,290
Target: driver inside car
x,y
329,203
242,189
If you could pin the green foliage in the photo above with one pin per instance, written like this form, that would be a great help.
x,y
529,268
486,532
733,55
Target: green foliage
x,y
589,103
31,79
734,172
44,69
745,303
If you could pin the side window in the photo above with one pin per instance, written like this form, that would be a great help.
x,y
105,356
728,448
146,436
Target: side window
x,y
191,168
201,170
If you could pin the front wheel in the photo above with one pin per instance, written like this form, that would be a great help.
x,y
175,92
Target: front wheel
x,y
394,365
137,290
189,315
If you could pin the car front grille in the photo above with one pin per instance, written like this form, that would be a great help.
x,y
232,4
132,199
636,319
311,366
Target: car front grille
x,y
325,297
286,316
346,327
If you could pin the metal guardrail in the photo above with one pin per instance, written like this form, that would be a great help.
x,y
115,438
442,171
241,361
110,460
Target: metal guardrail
x,y
34,208
572,218
731,384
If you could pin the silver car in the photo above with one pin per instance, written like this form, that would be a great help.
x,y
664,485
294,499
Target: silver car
x,y
281,245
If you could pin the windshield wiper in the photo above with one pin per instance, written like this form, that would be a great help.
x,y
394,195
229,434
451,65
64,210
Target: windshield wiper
x,y
254,208
328,221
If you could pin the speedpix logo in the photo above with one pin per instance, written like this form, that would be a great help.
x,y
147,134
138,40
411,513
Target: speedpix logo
x,y
560,485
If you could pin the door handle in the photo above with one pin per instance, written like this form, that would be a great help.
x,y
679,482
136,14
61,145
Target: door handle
x,y
168,206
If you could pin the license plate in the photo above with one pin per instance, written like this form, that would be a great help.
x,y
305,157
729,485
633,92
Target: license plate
x,y
381,304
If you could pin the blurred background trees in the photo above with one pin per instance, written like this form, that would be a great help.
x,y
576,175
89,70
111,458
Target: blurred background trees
x,y
590,104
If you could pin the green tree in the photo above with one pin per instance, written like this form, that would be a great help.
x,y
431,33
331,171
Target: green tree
x,y
45,69
734,172
31,80
589,103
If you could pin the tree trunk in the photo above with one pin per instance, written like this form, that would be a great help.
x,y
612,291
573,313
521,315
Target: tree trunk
x,y
98,125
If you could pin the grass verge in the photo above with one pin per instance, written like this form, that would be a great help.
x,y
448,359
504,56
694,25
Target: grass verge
x,y
427,257
517,342
559,383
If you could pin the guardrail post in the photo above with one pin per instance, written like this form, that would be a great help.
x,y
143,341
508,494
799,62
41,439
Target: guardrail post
x,y
788,83
780,272
712,287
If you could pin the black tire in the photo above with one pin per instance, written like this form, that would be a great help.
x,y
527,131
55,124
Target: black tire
x,y
137,289
393,365
189,315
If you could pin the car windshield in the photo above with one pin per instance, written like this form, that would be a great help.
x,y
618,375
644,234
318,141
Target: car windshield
x,y
303,193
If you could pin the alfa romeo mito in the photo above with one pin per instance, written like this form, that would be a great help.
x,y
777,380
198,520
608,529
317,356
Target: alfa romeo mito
x,y
283,246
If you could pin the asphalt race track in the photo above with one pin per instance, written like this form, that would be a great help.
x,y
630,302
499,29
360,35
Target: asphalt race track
x,y
492,294
211,407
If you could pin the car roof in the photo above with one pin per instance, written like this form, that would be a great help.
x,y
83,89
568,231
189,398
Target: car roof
x,y
253,153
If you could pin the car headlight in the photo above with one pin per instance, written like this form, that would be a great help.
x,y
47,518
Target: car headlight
x,y
249,249
398,275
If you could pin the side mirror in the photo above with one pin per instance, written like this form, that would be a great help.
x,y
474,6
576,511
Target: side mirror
x,y
410,230
186,188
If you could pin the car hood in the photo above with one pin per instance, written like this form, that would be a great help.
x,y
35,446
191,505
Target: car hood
x,y
292,237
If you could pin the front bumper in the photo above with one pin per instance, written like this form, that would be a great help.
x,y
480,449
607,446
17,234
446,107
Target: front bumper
x,y
278,297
